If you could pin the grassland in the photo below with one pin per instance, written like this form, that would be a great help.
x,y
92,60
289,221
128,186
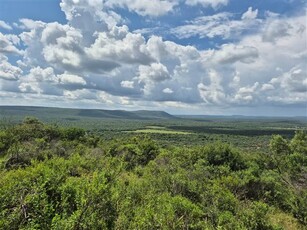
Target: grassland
x,y
159,131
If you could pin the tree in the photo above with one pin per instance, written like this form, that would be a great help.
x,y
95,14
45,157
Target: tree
x,y
298,143
278,145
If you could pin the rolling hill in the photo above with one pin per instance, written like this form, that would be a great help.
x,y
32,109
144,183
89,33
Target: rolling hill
x,y
66,113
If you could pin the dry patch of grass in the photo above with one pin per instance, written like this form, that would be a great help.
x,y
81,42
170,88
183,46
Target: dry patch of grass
x,y
155,127
159,131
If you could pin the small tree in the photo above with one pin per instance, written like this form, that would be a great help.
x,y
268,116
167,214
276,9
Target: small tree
x,y
278,145
299,142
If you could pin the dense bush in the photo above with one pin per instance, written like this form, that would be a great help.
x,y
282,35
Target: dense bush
x,y
64,178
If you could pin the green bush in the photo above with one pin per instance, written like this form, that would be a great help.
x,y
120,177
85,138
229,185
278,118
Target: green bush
x,y
64,178
223,154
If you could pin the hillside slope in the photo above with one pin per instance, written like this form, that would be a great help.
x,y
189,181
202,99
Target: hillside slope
x,y
41,112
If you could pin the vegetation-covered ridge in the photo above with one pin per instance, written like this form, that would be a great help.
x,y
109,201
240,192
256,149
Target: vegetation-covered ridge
x,y
66,178
83,113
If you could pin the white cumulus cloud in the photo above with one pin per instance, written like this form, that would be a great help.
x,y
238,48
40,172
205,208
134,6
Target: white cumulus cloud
x,y
218,25
7,70
7,44
168,91
127,84
230,53
94,58
70,79
5,25
250,14
213,3
152,8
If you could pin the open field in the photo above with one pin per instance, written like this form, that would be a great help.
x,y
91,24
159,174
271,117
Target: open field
x,y
159,131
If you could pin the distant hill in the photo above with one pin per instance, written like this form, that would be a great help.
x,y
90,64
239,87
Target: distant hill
x,y
242,118
65,113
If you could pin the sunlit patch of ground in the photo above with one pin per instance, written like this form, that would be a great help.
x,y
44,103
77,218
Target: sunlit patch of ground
x,y
159,131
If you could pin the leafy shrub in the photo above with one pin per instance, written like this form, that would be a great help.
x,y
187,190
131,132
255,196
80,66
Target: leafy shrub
x,y
298,143
222,154
256,216
301,212
72,133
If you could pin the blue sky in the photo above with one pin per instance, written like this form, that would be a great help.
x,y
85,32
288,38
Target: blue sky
x,y
185,57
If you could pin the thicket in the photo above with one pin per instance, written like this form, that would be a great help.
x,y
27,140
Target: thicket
x,y
65,178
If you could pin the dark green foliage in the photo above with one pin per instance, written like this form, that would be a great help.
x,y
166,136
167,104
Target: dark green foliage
x,y
68,178
219,154
301,212
6,139
299,143
278,145
72,133
136,153
255,216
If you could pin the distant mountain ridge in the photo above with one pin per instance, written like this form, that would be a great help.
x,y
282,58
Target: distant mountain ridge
x,y
93,113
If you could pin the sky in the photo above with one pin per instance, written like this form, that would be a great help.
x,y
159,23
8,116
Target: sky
x,y
209,57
